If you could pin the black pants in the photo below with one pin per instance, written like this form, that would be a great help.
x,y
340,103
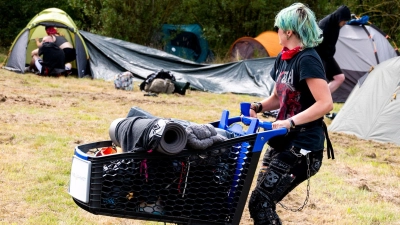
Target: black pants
x,y
282,171
70,54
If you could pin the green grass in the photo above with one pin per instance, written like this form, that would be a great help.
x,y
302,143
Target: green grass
x,y
44,119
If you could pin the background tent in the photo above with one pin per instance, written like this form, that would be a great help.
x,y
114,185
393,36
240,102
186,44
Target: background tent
x,y
20,52
109,56
264,45
373,107
186,41
358,49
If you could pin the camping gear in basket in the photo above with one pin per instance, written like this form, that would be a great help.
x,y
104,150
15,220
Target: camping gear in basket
x,y
141,131
202,136
124,81
106,151
139,134
207,186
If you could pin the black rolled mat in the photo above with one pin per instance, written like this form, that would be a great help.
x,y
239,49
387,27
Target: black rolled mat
x,y
173,140
134,134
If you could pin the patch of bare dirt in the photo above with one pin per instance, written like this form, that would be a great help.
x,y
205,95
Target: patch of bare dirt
x,y
15,100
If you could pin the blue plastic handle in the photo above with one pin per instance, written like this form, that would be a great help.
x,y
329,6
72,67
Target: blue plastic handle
x,y
263,124
245,108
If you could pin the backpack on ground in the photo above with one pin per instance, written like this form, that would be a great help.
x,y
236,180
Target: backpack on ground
x,y
163,82
159,85
124,81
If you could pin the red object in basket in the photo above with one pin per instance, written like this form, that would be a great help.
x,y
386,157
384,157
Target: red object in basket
x,y
106,151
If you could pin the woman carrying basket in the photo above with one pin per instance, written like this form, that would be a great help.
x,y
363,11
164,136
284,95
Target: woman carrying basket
x,y
302,96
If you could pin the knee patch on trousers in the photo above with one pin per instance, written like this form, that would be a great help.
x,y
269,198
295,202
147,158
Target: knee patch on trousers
x,y
315,166
275,184
262,210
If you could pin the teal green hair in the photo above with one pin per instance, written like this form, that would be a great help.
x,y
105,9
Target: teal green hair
x,y
301,20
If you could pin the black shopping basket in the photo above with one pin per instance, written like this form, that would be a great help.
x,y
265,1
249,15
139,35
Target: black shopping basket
x,y
193,187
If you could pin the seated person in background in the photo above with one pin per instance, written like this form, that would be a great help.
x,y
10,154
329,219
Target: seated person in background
x,y
61,42
53,58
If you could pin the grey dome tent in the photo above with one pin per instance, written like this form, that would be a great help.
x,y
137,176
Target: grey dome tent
x,y
372,109
20,52
358,49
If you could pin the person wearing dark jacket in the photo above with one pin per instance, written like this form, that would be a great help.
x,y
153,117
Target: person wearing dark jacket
x,y
302,96
53,58
330,26
61,42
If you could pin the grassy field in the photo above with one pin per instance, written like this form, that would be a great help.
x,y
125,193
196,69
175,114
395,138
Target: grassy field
x,y
43,119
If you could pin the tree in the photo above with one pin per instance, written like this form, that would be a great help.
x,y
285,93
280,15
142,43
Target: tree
x,y
223,21
13,19
385,15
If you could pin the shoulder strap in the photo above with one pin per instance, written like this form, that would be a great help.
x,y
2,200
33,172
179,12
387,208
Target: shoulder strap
x,y
328,142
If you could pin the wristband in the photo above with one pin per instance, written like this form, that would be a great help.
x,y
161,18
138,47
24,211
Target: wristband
x,y
292,124
256,106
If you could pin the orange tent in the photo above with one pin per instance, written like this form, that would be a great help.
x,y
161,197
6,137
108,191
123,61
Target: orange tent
x,y
264,45
270,41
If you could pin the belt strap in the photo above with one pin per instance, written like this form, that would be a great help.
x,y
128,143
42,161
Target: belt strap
x,y
312,124
328,142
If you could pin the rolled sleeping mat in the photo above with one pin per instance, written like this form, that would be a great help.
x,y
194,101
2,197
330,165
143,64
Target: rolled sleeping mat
x,y
112,130
170,137
136,111
173,140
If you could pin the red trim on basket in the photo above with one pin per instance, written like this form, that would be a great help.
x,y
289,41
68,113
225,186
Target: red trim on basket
x,y
143,165
181,177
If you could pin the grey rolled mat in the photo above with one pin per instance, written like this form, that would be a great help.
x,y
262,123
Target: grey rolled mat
x,y
198,136
136,111
141,133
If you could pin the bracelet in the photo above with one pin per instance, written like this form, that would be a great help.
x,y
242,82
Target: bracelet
x,y
292,124
256,106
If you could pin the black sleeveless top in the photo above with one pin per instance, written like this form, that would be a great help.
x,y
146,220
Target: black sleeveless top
x,y
60,40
